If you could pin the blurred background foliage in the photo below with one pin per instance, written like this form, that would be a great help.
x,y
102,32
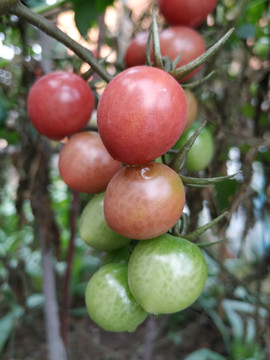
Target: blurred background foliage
x,y
229,321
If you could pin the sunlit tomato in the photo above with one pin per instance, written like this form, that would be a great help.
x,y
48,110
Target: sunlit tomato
x,y
109,301
201,152
142,202
176,40
141,114
166,274
85,165
60,104
192,108
186,12
136,51
94,230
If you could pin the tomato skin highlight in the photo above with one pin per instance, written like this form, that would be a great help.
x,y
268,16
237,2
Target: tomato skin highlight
x,y
166,274
176,40
60,104
142,202
186,12
141,114
85,165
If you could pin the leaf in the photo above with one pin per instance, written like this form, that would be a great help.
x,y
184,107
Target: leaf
x,y
204,354
223,192
243,326
87,12
7,323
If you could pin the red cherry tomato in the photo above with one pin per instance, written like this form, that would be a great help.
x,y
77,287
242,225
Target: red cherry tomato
x,y
60,104
85,165
183,40
141,114
142,202
136,51
186,12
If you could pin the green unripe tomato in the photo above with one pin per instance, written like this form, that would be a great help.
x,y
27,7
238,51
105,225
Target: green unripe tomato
x,y
201,152
109,301
166,274
94,230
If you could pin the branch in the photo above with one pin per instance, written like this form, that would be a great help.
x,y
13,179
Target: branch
x,y
23,12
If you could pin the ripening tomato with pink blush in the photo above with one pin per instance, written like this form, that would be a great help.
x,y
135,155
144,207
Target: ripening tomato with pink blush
x,y
60,104
136,51
176,40
186,12
85,165
140,114
142,202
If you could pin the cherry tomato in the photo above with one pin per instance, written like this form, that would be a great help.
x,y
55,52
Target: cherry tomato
x,y
109,301
141,114
201,152
166,274
186,12
85,165
192,108
136,51
142,202
94,230
176,40
60,104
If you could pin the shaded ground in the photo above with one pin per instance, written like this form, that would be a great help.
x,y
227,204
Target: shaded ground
x,y
167,337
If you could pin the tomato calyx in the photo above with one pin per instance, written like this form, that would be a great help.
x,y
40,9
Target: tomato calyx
x,y
170,66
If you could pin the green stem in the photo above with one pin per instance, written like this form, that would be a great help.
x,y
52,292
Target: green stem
x,y
199,231
23,12
184,70
156,44
180,156
193,84
202,182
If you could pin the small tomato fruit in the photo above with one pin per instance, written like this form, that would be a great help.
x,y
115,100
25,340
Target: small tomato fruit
x,y
166,274
60,104
94,230
85,165
142,202
141,114
136,51
186,12
109,301
192,108
176,40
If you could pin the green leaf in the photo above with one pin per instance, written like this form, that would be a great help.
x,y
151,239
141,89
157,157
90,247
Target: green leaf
x,y
7,323
223,192
204,354
87,12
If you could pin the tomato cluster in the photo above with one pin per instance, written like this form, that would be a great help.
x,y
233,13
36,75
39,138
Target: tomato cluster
x,y
142,113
